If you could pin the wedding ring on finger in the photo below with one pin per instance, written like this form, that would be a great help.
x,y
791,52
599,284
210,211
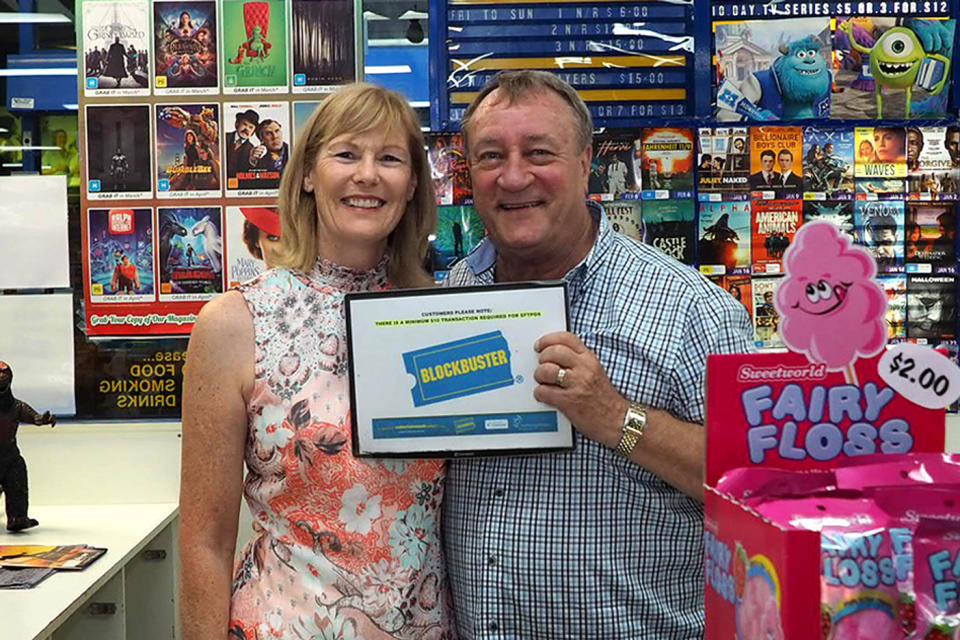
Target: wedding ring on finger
x,y
561,376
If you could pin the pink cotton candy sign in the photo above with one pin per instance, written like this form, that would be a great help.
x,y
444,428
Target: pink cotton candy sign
x,y
831,308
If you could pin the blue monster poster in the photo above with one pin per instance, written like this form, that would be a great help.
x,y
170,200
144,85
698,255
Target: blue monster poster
x,y
773,69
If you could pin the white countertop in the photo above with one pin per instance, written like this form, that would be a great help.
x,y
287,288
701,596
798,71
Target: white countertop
x,y
124,529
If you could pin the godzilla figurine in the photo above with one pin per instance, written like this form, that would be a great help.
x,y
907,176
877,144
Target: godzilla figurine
x,y
13,469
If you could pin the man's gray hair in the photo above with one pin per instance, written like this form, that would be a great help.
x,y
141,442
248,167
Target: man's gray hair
x,y
515,85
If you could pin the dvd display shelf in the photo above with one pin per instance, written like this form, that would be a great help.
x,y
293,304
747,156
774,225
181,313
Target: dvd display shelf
x,y
129,592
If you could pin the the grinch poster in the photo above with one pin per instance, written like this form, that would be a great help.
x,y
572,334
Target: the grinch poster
x,y
254,46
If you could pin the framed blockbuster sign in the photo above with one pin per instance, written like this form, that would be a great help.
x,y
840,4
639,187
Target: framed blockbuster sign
x,y
632,62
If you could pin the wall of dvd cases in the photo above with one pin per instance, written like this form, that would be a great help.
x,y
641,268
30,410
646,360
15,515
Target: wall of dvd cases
x,y
730,199
724,126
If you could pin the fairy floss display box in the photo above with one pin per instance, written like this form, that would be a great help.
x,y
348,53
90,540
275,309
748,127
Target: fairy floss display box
x,y
826,400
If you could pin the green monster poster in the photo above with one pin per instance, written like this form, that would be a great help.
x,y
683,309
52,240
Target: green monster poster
x,y
254,46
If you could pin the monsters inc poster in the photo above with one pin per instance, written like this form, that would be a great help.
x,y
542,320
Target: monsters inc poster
x,y
773,69
185,46
254,46
892,67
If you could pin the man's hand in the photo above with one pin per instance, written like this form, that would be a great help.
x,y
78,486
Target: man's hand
x,y
46,418
256,153
584,393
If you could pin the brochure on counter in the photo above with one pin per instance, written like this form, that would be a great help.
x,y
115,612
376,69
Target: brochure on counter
x,y
68,557
445,372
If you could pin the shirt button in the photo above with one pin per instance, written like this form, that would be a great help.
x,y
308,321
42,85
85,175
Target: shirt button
x,y
492,560
498,492
493,626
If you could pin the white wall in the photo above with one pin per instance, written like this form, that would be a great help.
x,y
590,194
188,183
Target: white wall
x,y
111,463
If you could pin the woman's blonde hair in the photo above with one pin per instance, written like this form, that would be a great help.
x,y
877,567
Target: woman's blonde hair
x,y
356,109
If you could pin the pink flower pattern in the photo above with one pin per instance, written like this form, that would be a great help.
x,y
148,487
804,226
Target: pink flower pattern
x,y
325,554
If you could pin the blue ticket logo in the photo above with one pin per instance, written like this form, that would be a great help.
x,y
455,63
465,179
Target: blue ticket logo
x,y
459,368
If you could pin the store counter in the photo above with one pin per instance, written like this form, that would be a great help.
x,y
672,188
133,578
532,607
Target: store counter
x,y
127,592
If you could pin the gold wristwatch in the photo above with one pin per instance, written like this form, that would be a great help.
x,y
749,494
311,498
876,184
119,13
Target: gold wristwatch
x,y
633,424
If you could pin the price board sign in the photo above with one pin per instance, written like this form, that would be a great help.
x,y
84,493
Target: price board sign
x,y
632,62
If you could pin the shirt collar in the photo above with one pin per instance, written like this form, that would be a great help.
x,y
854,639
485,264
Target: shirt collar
x,y
483,259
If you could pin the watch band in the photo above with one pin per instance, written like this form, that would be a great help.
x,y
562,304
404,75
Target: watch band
x,y
633,424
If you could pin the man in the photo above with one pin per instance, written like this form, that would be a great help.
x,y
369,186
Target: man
x,y
239,145
914,147
766,177
126,277
788,180
953,145
616,176
590,543
269,157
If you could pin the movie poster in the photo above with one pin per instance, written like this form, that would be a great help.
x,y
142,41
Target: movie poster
x,y
190,252
731,159
256,147
879,226
724,244
116,48
881,152
670,227
322,43
612,171
775,222
707,177
626,217
837,212
665,160
302,110
739,287
828,162
895,286
118,153
930,172
459,230
766,321
757,58
890,70
931,308
60,157
120,255
188,150
185,47
254,46
251,233
448,166
931,235
775,161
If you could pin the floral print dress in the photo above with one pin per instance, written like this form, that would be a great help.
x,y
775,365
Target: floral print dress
x,y
344,547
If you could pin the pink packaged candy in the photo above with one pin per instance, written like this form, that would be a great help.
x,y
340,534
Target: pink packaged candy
x,y
926,469
859,575
937,580
750,484
908,506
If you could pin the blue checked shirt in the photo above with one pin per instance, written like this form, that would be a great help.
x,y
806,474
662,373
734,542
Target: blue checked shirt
x,y
587,544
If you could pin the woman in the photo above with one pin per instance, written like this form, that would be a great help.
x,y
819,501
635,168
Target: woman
x,y
343,547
